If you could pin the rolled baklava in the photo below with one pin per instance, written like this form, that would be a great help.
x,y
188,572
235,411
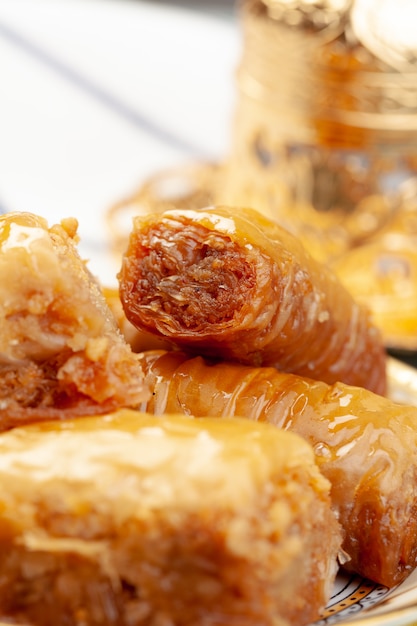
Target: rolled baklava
x,y
138,339
132,520
61,352
232,284
365,444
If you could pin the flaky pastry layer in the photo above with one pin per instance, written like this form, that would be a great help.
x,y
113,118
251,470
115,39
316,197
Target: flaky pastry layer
x,y
229,283
366,445
130,519
61,352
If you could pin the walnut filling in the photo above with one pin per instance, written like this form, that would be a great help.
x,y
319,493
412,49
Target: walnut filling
x,y
34,391
189,273
272,563
61,353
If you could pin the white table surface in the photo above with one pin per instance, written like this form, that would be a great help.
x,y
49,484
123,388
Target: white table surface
x,y
98,94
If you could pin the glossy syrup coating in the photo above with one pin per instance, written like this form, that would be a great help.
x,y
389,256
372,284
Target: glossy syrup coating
x,y
61,352
365,444
125,519
232,284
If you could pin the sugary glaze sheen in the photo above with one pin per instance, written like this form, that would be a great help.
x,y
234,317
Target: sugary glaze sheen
x,y
61,352
388,287
138,340
129,519
232,284
366,445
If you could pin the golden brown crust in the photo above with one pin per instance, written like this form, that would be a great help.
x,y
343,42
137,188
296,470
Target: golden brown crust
x,y
382,274
139,340
365,445
103,523
60,350
232,284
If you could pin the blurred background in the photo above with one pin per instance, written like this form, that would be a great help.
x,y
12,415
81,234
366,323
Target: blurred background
x,y
98,94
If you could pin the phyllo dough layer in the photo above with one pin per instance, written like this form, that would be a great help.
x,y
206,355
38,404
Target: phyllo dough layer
x,y
130,519
228,283
365,445
61,352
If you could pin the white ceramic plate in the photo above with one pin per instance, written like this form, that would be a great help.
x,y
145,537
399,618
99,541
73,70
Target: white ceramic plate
x,y
96,96
355,598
